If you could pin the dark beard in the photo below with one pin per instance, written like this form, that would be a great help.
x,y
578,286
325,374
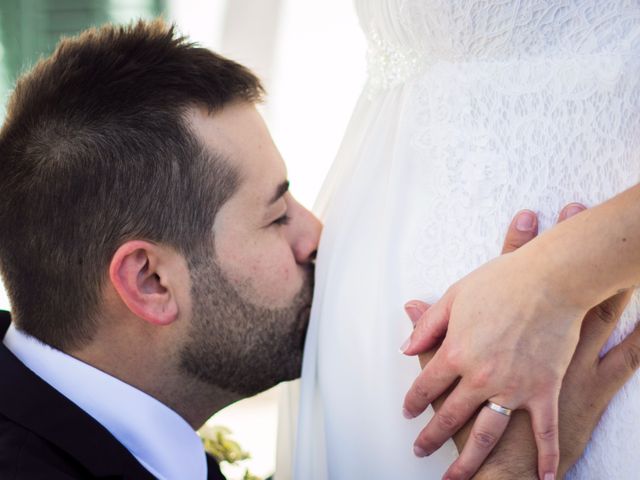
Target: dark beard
x,y
236,345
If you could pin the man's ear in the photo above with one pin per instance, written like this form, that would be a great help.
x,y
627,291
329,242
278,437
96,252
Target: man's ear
x,y
141,273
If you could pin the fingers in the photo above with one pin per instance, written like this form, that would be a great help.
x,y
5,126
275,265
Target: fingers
x,y
598,325
544,420
460,405
523,228
487,430
415,309
429,330
435,378
621,362
570,210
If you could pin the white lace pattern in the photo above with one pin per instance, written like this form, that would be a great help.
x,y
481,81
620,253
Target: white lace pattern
x,y
474,109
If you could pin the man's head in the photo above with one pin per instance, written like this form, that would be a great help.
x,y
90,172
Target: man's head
x,y
132,166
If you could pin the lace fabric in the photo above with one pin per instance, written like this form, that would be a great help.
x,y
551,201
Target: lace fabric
x,y
473,110
405,36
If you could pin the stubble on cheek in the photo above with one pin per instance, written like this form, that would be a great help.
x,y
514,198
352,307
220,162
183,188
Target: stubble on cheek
x,y
268,286
238,345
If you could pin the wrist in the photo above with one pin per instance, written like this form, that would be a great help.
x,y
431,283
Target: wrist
x,y
557,278
594,255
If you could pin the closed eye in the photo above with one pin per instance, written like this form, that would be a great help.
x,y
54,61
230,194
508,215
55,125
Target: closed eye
x,y
283,220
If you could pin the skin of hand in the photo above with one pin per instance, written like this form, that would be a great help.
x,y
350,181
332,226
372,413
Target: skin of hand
x,y
587,388
510,327
518,360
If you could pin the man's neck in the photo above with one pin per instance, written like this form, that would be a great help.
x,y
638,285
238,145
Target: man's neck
x,y
194,400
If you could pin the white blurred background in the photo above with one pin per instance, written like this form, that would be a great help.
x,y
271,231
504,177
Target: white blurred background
x,y
311,57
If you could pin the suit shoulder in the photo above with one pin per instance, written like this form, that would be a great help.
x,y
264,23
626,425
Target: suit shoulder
x,y
13,439
25,455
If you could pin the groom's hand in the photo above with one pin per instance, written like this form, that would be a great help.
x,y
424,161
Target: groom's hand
x,y
588,386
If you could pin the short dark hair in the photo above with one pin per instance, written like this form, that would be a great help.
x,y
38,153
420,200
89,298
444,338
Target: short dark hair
x,y
96,151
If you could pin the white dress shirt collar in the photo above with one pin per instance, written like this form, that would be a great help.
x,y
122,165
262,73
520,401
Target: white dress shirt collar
x,y
162,441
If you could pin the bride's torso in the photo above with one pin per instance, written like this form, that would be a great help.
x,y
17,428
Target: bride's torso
x,y
501,105
473,110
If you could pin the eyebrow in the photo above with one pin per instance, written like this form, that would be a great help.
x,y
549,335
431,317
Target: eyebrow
x,y
280,191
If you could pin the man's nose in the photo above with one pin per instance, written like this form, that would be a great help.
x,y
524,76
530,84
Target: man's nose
x,y
306,242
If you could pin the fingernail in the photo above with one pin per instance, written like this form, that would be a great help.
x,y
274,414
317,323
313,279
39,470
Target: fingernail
x,y
421,452
525,222
549,476
571,211
407,414
405,345
413,312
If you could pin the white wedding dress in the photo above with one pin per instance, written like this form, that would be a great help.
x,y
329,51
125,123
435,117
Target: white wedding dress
x,y
473,110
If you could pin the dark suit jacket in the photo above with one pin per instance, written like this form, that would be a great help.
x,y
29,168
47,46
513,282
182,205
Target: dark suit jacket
x,y
44,436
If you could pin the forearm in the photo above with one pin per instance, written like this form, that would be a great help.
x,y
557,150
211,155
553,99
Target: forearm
x,y
593,255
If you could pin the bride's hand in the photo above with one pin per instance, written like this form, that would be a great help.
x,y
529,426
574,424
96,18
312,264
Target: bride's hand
x,y
508,340
587,388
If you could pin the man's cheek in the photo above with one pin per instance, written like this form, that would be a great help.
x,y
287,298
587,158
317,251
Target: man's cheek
x,y
282,282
